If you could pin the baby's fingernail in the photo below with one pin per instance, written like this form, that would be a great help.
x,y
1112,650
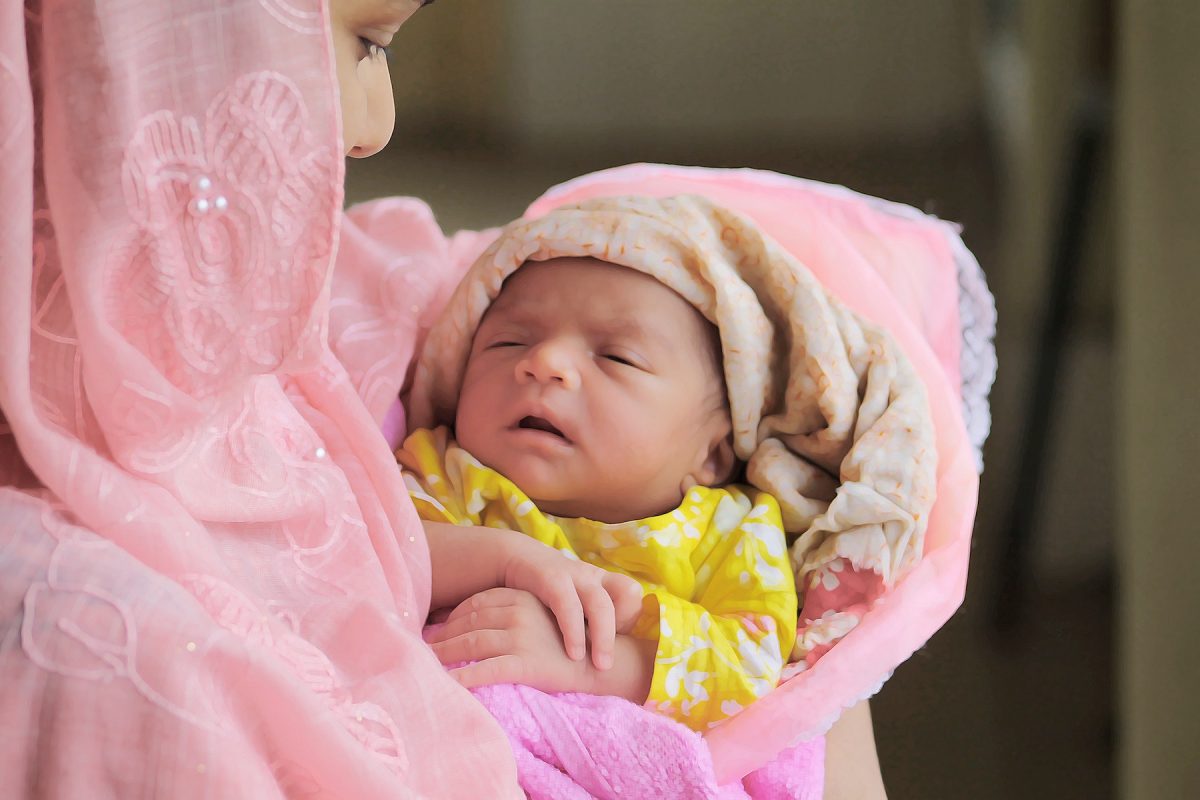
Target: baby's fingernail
x,y
605,661
577,653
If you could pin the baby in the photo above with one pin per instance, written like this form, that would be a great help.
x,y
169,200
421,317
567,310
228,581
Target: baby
x,y
593,417
649,393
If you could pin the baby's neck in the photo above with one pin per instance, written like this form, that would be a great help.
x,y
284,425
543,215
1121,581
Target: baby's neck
x,y
609,514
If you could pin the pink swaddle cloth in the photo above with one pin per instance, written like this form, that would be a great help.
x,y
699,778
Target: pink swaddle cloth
x,y
905,272
827,414
911,275
212,582
826,411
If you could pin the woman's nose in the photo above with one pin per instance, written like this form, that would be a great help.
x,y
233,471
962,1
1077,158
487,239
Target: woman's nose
x,y
549,363
379,118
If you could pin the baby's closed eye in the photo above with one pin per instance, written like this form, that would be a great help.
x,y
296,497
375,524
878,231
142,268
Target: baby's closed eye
x,y
619,359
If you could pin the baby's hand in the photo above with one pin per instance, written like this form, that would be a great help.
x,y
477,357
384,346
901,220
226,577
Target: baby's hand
x,y
511,638
574,591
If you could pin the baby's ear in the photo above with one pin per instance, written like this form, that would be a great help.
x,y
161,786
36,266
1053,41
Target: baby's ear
x,y
719,464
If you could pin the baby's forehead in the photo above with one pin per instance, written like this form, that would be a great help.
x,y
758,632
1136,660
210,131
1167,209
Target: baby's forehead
x,y
606,297
586,284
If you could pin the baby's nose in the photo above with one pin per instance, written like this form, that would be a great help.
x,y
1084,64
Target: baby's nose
x,y
550,363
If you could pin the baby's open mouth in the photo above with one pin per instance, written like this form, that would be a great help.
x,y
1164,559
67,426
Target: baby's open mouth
x,y
540,424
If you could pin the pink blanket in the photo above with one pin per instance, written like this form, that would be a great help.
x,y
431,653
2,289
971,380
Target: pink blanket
x,y
578,746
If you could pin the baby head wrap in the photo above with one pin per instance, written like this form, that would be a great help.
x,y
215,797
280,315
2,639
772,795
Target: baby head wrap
x,y
827,413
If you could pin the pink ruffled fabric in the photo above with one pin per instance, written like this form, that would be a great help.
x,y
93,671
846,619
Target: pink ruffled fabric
x,y
211,579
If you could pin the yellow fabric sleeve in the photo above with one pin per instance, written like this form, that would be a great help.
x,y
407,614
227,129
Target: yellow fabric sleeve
x,y
436,496
725,650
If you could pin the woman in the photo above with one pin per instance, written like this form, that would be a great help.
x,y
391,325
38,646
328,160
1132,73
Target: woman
x,y
211,580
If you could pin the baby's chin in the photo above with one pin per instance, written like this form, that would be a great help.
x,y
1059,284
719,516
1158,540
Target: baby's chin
x,y
538,481
555,497
595,509
570,497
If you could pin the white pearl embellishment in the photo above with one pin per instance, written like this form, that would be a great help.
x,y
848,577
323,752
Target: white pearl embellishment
x,y
201,203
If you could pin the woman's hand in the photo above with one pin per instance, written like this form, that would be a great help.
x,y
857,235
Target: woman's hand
x,y
511,637
587,602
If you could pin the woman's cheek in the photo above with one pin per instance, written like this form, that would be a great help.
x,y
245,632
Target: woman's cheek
x,y
347,89
378,98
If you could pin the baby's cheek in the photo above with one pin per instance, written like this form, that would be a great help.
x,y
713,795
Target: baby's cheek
x,y
466,430
652,447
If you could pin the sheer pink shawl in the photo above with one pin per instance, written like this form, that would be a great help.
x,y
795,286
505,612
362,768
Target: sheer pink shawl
x,y
211,580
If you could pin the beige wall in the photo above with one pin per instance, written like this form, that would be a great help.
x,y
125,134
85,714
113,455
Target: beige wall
x,y
448,71
555,73
1159,335
1058,69
714,70
1058,43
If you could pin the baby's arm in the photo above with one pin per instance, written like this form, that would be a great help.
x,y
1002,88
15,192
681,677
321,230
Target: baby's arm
x,y
727,646
468,560
511,637
465,560
697,661
632,672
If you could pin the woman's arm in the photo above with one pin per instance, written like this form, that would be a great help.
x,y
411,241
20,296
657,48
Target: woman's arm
x,y
851,763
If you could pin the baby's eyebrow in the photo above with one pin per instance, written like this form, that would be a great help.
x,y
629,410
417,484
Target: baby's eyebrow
x,y
631,327
512,310
525,315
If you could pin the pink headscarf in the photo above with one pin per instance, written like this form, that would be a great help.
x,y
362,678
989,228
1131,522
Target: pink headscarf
x,y
211,580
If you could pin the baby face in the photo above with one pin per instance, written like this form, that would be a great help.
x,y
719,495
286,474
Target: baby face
x,y
597,391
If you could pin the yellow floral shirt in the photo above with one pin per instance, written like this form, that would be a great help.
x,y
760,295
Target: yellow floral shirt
x,y
720,597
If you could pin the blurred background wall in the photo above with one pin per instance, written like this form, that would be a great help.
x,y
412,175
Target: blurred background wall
x,y
1067,672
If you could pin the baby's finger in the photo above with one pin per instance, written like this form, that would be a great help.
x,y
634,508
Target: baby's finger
x,y
627,595
492,598
561,597
489,618
473,646
602,630
501,669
